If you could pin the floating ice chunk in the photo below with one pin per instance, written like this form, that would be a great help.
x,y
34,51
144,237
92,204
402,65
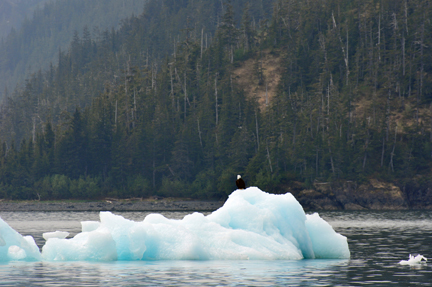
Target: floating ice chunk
x,y
413,260
56,234
325,241
97,245
14,246
252,224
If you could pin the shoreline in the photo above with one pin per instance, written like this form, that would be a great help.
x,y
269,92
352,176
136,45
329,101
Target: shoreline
x,y
159,205
112,205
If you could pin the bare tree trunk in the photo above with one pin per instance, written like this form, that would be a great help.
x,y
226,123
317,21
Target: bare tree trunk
x,y
345,53
115,115
240,113
133,111
269,160
202,38
328,103
154,163
185,98
135,105
294,108
421,61
392,153
379,36
256,126
175,56
199,133
34,130
431,124
388,116
403,53
406,16
311,125
366,147
382,152
266,96
347,57
172,86
216,101
331,159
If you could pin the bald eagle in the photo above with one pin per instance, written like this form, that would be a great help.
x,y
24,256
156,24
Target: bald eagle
x,y
240,182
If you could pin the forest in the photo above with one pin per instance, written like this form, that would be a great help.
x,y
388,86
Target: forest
x,y
188,94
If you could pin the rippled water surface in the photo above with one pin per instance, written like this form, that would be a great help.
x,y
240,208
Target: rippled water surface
x,y
377,241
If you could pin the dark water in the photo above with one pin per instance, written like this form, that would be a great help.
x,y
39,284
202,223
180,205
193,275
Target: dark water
x,y
377,241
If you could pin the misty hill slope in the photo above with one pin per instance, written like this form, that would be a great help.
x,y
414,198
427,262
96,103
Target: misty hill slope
x,y
90,63
51,27
13,13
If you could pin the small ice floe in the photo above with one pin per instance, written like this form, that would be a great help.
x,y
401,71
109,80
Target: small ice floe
x,y
413,260
88,226
56,234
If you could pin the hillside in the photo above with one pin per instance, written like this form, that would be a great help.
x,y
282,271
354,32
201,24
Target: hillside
x,y
259,76
50,26
186,95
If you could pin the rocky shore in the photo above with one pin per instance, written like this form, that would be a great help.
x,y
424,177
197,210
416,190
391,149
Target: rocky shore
x,y
112,205
371,195
343,195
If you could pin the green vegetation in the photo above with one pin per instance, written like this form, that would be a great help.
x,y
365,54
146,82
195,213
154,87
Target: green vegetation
x,y
159,106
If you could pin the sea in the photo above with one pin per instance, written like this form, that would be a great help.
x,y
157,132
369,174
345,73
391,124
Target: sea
x,y
378,241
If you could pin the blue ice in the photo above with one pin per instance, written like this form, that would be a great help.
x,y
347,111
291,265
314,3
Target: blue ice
x,y
252,224
14,246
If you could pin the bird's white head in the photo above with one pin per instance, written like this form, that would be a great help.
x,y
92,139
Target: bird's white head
x,y
238,176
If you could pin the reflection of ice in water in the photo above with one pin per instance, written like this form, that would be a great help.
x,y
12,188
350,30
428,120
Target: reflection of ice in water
x,y
176,273
251,225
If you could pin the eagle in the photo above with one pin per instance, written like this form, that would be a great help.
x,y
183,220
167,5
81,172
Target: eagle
x,y
240,182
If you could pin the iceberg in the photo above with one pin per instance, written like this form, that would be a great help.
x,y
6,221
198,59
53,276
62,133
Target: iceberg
x,y
252,224
14,246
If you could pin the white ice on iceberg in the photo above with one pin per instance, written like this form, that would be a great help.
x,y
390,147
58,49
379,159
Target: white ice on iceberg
x,y
14,246
56,234
252,224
